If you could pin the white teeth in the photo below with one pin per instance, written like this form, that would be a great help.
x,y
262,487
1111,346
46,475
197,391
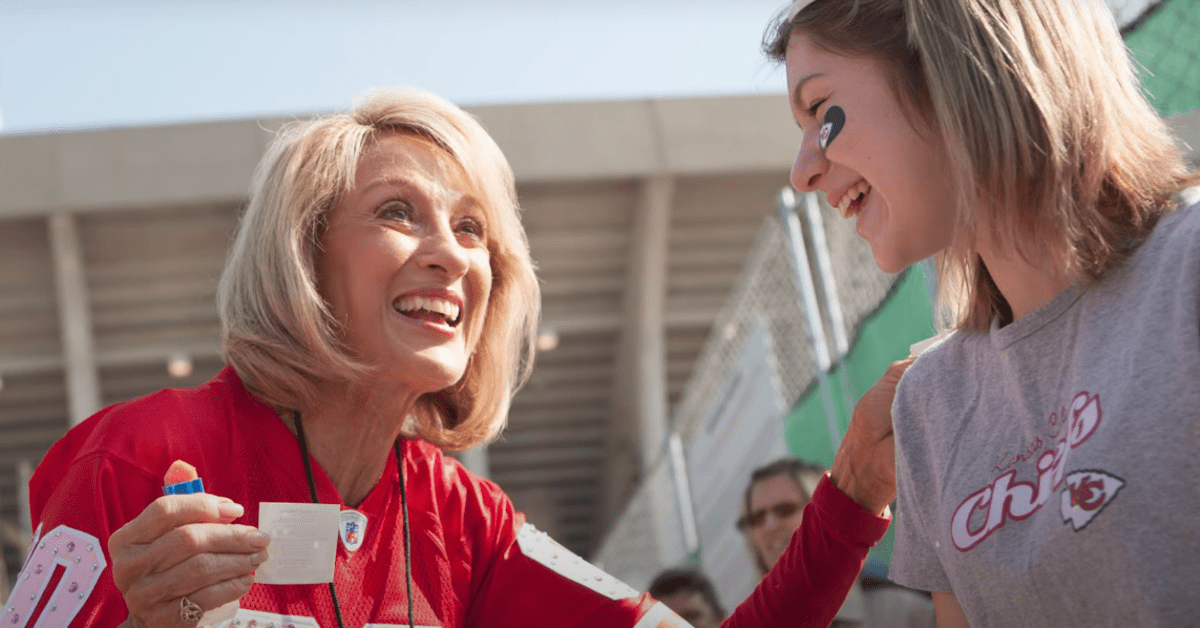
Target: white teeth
x,y
446,308
843,204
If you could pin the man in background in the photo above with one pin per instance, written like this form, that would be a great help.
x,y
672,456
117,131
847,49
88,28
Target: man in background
x,y
690,594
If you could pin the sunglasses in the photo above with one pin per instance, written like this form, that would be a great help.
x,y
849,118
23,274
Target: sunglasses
x,y
782,510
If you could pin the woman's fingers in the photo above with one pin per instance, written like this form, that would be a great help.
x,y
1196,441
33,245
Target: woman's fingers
x,y
188,544
171,511
221,593
184,545
209,580
200,539
166,613
873,413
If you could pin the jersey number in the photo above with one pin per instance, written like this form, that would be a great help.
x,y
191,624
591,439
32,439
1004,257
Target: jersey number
x,y
62,569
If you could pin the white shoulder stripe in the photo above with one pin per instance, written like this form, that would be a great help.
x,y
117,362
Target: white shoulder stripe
x,y
538,546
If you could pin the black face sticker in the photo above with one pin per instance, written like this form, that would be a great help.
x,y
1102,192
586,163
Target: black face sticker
x,y
834,120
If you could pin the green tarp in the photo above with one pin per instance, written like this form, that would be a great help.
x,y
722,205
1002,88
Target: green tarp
x,y
1165,42
905,316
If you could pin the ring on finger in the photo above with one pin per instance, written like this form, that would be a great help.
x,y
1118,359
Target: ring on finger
x,y
189,611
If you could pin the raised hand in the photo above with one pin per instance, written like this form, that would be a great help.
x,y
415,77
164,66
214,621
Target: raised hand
x,y
865,465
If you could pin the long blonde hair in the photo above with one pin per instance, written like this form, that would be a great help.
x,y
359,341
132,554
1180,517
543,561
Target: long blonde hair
x,y
277,330
1053,144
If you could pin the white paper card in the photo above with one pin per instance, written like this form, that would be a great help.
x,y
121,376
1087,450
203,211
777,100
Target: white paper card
x,y
303,542
918,348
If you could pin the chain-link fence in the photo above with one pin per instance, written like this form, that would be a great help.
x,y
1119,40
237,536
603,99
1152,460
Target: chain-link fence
x,y
1163,39
648,535
768,289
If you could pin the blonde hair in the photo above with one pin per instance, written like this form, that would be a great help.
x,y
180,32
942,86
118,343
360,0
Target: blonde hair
x,y
277,330
1053,144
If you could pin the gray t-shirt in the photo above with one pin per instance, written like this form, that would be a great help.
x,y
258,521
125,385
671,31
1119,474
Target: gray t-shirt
x,y
1049,471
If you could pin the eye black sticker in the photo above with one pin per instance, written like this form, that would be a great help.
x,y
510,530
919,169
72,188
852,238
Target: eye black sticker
x,y
834,120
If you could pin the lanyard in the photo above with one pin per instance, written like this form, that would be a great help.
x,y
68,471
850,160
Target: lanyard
x,y
312,489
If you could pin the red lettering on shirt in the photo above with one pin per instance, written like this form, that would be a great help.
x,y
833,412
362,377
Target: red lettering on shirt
x,y
1005,498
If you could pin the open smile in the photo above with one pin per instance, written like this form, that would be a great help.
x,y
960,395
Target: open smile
x,y
852,200
436,310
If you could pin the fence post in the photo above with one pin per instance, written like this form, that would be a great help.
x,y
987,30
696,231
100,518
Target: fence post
x,y
786,202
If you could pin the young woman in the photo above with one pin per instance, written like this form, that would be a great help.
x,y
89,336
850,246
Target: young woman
x,y
1046,449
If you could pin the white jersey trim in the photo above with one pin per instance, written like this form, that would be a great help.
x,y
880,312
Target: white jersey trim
x,y
538,546
259,619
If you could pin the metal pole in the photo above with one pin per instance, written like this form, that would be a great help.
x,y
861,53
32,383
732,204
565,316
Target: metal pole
x,y
25,517
786,203
828,285
75,318
683,498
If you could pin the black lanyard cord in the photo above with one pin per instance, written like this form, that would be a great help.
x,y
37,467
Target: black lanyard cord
x,y
407,536
312,489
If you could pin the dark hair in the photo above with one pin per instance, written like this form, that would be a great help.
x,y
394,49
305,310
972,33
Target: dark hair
x,y
686,579
796,469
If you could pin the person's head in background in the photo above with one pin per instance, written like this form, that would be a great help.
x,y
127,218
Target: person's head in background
x,y
773,507
690,594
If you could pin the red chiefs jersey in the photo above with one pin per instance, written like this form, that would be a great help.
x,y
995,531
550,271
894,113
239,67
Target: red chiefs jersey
x,y
474,560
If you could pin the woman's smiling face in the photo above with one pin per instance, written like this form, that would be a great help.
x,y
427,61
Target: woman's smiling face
x,y
404,264
891,173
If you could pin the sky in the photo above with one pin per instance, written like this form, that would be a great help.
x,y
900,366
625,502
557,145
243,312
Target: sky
x,y
80,64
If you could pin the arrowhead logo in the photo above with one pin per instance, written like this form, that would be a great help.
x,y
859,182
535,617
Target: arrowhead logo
x,y
1087,493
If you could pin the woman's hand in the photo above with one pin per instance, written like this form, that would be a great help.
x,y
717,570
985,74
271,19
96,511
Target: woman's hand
x,y
865,465
183,545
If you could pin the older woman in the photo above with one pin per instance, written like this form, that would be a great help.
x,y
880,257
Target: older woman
x,y
377,306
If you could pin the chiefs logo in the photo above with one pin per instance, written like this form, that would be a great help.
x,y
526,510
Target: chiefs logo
x,y
823,137
1087,493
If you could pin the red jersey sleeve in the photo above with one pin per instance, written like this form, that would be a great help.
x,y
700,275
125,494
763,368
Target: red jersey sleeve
x,y
809,583
76,505
531,580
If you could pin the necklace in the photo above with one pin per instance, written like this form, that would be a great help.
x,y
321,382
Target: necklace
x,y
312,489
